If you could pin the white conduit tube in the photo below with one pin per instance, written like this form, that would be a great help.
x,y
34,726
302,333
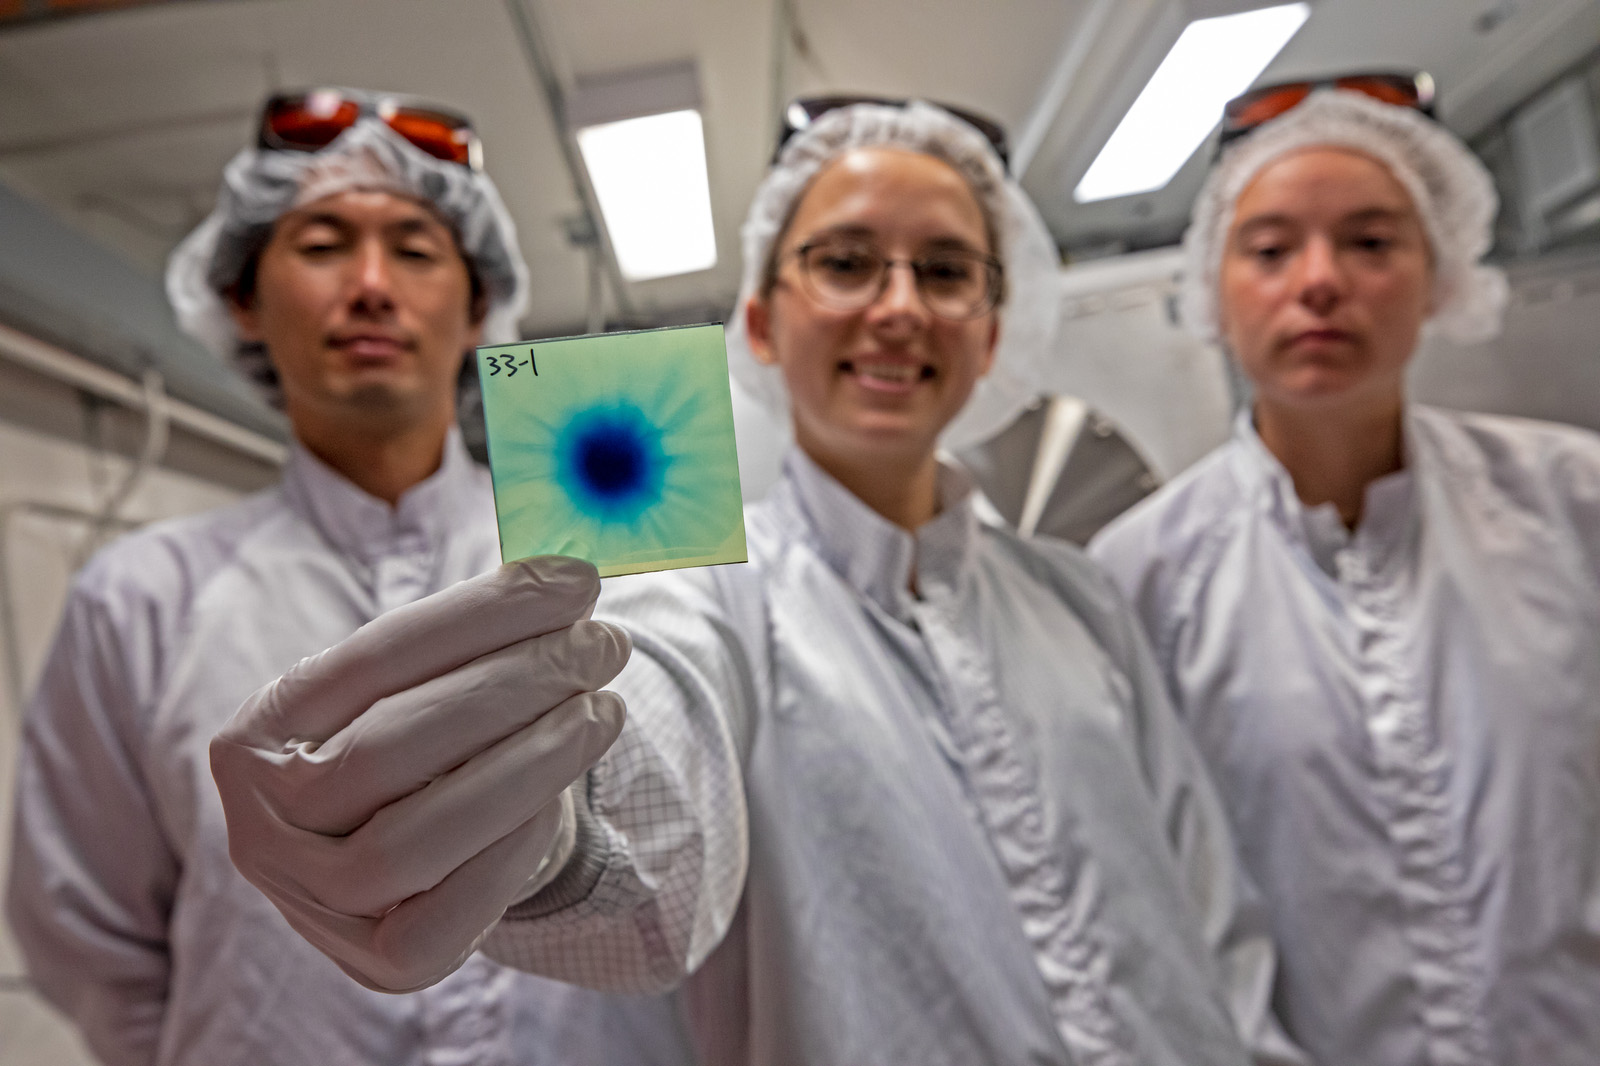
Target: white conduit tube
x,y
80,373
148,398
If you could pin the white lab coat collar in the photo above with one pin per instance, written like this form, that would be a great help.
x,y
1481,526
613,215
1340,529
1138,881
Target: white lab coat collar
x,y
875,556
1388,517
365,528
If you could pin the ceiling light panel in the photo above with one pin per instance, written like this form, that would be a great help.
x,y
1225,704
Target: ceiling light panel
x,y
649,175
1214,60
643,143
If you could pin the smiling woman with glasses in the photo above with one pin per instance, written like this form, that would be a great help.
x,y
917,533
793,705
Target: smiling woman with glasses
x,y
905,788
955,744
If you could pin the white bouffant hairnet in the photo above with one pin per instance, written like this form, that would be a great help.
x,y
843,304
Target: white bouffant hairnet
x,y
1028,317
260,185
1452,191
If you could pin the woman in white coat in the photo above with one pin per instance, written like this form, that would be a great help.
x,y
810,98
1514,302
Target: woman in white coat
x,y
902,789
1381,621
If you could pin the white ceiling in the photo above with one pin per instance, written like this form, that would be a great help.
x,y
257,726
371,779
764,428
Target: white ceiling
x,y
121,122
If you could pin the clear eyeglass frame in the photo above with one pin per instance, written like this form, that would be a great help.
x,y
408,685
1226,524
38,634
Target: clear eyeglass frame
x,y
953,306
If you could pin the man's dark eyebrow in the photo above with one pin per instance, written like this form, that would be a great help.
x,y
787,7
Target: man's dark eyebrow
x,y
321,218
420,223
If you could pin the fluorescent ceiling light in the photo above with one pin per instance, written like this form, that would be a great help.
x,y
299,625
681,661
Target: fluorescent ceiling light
x,y
1214,60
650,177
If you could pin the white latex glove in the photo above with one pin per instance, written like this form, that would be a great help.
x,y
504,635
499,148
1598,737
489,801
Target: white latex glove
x,y
394,794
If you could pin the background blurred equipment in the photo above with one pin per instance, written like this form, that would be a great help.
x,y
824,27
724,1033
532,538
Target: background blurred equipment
x,y
1061,470
1543,364
1120,349
65,289
1558,160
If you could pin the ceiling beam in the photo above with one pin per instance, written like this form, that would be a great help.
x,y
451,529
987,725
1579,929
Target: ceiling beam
x,y
532,37
1083,36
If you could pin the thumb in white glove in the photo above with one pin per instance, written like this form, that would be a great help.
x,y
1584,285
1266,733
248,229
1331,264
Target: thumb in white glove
x,y
395,793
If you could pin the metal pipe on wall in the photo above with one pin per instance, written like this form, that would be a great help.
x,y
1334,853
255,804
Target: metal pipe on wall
x,y
159,410
80,373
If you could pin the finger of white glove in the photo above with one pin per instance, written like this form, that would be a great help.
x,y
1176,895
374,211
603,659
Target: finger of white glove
x,y
418,641
414,844
430,935
405,741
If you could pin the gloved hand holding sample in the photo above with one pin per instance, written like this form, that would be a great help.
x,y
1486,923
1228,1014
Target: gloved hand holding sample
x,y
394,794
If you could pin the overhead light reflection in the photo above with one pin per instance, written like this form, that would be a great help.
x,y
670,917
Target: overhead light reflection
x,y
1214,60
649,175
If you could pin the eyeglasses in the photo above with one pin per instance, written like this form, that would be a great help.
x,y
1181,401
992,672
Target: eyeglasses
x,y
310,121
803,112
957,284
1245,112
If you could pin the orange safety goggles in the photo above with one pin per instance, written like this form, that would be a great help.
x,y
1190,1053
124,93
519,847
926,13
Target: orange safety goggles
x,y
1245,112
310,121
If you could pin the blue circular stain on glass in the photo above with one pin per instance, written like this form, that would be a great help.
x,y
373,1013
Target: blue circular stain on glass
x,y
613,464
610,462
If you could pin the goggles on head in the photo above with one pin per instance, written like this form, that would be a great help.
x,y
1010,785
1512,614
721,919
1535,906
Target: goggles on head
x,y
310,121
804,111
1245,112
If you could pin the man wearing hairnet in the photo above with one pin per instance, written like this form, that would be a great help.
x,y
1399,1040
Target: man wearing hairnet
x,y
354,256
1382,620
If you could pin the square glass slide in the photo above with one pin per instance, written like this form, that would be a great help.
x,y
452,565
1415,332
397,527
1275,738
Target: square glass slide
x,y
616,448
